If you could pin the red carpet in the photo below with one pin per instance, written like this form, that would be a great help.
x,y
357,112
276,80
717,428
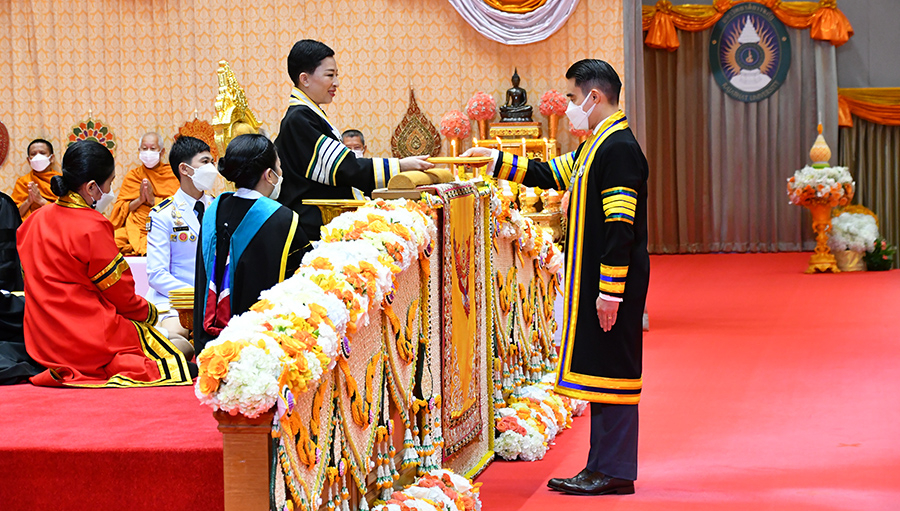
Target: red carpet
x,y
764,389
104,449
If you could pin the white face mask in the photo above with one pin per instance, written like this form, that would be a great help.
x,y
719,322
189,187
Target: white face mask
x,y
39,162
358,152
104,201
577,116
150,159
204,177
277,191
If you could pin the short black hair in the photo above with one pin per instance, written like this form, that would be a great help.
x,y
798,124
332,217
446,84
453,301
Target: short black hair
x,y
39,141
354,133
183,151
596,74
84,161
305,57
246,158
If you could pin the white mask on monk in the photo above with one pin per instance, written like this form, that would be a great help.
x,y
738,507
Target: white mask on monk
x,y
39,162
150,159
204,177
277,190
577,116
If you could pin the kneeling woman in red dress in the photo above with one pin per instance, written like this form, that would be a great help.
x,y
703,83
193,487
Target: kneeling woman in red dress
x,y
83,320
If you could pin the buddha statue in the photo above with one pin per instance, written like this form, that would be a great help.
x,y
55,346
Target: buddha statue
x,y
516,108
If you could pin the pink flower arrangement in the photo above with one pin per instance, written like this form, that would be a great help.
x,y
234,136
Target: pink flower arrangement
x,y
481,107
578,133
553,103
455,124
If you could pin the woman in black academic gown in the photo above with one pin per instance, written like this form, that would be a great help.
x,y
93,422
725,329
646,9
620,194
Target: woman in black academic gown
x,y
248,242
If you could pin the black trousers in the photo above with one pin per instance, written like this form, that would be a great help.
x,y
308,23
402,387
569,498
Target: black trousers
x,y
614,440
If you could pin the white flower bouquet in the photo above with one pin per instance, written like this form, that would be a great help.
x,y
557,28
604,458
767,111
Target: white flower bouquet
x,y
853,231
830,186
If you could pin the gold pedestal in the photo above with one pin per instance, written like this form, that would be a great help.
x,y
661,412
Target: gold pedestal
x,y
822,260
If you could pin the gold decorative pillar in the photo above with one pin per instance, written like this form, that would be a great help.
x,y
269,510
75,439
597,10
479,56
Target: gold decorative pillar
x,y
822,260
245,460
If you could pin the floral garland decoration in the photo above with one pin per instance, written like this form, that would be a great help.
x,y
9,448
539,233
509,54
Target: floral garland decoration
x,y
526,428
828,186
455,124
295,333
579,133
481,107
435,490
553,103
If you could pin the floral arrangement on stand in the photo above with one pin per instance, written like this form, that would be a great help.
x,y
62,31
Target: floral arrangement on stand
x,y
880,256
455,126
481,108
581,134
553,105
535,415
298,329
828,186
438,490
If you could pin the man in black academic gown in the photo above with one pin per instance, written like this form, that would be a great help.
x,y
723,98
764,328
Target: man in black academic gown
x,y
317,165
607,272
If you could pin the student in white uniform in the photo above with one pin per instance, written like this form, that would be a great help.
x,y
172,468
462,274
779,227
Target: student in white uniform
x,y
174,227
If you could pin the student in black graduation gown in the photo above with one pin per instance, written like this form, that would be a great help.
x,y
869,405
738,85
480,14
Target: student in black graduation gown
x,y
248,242
16,366
607,272
317,165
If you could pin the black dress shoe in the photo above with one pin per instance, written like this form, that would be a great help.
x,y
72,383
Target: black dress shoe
x,y
556,482
597,484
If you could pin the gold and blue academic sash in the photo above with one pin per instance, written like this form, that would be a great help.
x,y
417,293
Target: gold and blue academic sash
x,y
569,383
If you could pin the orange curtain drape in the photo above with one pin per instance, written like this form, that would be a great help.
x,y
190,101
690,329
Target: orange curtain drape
x,y
878,105
823,19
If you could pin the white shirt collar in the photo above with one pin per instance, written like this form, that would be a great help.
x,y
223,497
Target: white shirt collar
x,y
597,127
182,197
246,193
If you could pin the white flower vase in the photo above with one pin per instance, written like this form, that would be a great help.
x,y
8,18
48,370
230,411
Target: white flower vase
x,y
850,260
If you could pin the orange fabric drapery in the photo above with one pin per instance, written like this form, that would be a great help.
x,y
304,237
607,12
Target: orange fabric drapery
x,y
515,6
823,18
878,105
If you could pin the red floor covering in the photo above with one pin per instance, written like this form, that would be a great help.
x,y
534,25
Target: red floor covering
x,y
764,389
104,449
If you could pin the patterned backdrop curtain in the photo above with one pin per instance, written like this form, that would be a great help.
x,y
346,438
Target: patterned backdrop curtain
x,y
872,151
145,65
719,166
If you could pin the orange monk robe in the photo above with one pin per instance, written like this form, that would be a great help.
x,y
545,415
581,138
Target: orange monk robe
x,y
131,227
20,192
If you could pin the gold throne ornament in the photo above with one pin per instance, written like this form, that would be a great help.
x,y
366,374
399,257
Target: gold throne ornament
x,y
233,116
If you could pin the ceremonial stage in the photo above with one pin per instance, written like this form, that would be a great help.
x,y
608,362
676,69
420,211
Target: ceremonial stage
x,y
765,388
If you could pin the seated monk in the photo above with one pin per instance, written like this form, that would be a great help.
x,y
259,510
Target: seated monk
x,y
83,320
32,190
143,187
